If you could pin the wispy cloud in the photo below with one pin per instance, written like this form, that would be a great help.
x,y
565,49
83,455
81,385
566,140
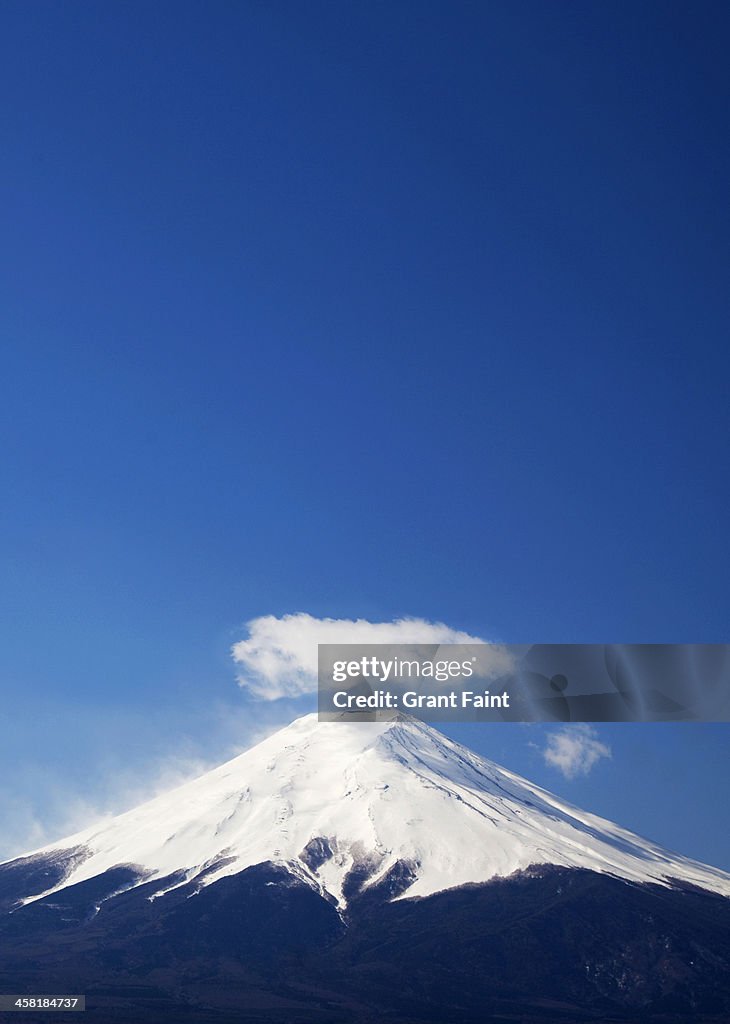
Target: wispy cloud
x,y
279,657
574,750
39,806
50,809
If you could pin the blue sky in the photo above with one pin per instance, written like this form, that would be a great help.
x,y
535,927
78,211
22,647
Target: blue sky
x,y
359,310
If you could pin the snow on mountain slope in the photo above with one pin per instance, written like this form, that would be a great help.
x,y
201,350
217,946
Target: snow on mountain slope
x,y
369,795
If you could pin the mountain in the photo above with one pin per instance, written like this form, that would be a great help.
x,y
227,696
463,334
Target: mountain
x,y
329,799
343,871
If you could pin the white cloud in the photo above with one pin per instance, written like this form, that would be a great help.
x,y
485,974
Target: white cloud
x,y
574,750
48,809
279,658
38,805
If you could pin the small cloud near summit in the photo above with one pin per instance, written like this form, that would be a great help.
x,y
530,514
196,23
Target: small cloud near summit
x,y
279,658
574,750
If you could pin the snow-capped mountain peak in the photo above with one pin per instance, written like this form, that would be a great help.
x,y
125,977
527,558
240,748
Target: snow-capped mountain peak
x,y
335,800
